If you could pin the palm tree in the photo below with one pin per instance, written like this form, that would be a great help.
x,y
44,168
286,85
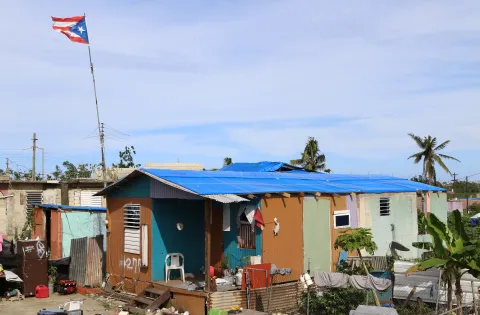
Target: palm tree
x,y
312,160
429,149
227,161
451,250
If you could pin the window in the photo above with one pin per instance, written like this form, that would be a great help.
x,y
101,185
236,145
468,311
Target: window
x,y
384,207
246,233
131,223
341,219
33,197
87,199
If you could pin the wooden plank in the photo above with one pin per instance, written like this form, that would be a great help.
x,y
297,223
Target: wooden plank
x,y
268,195
301,194
286,195
251,196
207,224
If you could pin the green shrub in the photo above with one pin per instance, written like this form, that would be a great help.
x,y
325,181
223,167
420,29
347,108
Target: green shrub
x,y
333,302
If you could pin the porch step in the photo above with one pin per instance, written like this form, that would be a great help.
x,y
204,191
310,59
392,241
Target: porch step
x,y
149,299
143,300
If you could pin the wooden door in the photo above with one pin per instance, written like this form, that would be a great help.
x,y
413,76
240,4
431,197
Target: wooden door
x,y
216,254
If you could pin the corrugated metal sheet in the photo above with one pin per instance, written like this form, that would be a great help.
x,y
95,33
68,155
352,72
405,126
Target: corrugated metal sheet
x,y
78,262
226,198
86,260
161,190
284,297
93,275
265,166
427,285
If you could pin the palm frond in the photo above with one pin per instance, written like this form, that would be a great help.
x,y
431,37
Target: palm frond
x,y
418,140
440,162
448,157
442,146
296,162
418,157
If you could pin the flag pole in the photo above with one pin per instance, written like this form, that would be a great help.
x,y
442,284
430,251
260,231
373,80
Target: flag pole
x,y
100,129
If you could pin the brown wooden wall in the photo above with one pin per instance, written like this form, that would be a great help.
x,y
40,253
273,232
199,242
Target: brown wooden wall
x,y
56,235
336,203
286,249
135,279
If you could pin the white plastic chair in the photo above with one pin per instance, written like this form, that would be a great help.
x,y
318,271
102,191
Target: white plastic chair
x,y
175,264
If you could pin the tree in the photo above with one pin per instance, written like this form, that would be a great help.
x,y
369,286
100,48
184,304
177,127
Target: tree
x,y
451,250
227,161
311,158
357,240
428,153
70,171
126,158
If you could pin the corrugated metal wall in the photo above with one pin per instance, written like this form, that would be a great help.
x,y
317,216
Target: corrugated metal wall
x,y
125,266
285,250
162,191
76,224
285,297
78,260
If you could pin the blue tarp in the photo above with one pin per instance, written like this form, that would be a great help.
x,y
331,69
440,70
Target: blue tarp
x,y
264,166
242,183
71,208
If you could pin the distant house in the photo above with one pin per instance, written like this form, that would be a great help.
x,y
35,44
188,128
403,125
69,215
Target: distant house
x,y
211,218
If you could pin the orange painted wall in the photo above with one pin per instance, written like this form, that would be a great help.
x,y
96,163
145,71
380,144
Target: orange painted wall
x,y
286,249
135,279
39,225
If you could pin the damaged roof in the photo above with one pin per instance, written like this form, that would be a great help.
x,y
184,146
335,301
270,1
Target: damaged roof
x,y
205,183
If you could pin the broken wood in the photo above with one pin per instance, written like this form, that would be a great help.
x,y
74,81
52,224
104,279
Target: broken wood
x,y
251,196
286,195
268,195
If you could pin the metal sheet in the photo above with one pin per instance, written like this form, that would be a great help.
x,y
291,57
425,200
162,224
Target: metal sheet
x,y
229,198
93,275
285,297
78,262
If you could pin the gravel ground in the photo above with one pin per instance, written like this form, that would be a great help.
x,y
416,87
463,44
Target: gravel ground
x,y
92,304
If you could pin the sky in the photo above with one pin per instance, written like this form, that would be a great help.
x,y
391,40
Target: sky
x,y
197,81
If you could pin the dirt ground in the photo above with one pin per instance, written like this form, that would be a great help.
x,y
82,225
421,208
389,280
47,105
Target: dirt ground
x,y
91,305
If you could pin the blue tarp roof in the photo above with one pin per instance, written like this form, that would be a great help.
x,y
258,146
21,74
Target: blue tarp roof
x,y
243,183
264,166
71,208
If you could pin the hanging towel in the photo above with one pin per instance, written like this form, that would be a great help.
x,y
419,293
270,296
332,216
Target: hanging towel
x,y
330,279
259,219
369,282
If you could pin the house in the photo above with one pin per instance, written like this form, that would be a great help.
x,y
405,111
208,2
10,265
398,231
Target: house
x,y
205,216
59,224
17,196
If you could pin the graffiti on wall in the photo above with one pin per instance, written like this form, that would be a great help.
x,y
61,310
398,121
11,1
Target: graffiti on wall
x,y
132,264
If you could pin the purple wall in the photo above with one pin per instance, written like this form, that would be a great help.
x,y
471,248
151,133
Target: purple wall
x,y
352,206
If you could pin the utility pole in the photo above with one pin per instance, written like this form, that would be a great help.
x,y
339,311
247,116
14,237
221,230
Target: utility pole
x,y
454,181
34,148
7,172
466,187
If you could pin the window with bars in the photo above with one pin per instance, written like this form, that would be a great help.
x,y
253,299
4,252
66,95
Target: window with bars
x,y
246,233
131,224
33,197
384,206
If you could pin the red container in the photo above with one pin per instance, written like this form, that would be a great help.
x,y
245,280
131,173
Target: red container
x,y
41,291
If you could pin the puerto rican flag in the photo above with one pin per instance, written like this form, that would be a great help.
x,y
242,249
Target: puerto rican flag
x,y
74,28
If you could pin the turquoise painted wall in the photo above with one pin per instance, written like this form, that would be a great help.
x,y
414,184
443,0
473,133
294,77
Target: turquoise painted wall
x,y
316,234
136,188
78,224
230,246
166,238
403,215
438,205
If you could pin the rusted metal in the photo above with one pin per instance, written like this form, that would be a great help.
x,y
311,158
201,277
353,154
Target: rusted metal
x,y
33,267
285,297
78,260
93,275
